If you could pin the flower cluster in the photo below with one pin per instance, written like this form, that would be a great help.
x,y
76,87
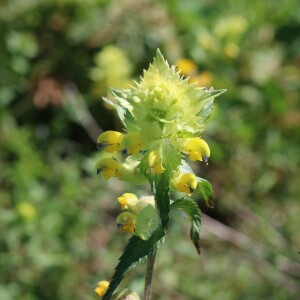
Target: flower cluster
x,y
163,116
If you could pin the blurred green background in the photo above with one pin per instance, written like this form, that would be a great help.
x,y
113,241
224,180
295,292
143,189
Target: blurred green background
x,y
57,217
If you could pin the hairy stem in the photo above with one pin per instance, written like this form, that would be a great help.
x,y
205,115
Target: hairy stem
x,y
148,279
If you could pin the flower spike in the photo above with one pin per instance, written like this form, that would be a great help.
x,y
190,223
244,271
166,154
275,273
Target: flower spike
x,y
110,141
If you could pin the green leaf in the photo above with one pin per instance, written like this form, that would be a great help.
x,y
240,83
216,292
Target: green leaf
x,y
191,208
171,157
123,111
206,191
206,111
137,250
161,195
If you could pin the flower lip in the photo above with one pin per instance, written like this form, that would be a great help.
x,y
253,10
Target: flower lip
x,y
186,183
197,148
108,167
205,159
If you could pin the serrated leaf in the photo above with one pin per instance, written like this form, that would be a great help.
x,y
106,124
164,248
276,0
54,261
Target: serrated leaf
x,y
124,114
191,208
206,111
137,251
208,104
171,158
206,191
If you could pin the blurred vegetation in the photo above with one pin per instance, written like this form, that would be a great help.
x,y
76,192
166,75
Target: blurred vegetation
x,y
57,218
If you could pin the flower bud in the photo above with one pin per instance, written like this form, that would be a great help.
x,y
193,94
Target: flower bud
x,y
127,201
126,221
154,161
186,183
132,143
197,148
101,288
110,141
108,167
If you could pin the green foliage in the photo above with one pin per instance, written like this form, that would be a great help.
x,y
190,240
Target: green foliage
x,y
161,195
206,191
136,251
147,222
192,210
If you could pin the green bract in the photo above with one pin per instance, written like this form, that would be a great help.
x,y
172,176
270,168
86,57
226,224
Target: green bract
x,y
165,98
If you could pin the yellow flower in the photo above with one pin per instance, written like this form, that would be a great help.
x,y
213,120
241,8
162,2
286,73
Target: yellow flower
x,y
154,162
197,148
132,143
110,141
231,50
202,79
108,167
186,183
127,200
26,210
186,66
101,288
126,221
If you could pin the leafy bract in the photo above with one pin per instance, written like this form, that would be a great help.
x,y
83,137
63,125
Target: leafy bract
x,y
191,208
136,251
147,222
206,191
164,97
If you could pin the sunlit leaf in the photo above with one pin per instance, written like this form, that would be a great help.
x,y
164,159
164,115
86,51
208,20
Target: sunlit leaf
x,y
137,251
191,208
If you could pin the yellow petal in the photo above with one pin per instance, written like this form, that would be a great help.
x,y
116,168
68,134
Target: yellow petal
x,y
101,288
108,167
194,155
186,183
110,141
127,200
154,162
158,168
132,143
197,148
126,221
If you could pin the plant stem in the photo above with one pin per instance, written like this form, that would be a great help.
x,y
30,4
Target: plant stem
x,y
148,279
